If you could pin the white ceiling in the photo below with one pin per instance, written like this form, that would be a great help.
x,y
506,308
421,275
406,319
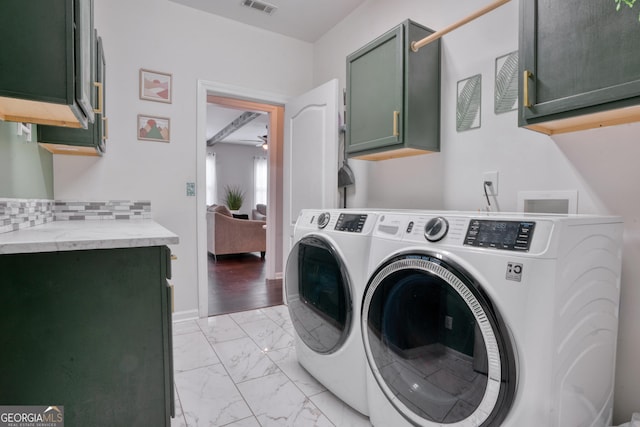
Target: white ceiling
x,y
300,19
219,117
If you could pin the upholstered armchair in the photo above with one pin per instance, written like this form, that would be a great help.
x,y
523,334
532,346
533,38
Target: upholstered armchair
x,y
229,235
260,212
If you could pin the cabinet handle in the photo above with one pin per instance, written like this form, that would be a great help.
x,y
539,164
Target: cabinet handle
x,y
172,298
396,119
100,98
105,126
525,86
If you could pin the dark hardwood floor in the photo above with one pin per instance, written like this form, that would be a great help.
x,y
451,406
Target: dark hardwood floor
x,y
238,283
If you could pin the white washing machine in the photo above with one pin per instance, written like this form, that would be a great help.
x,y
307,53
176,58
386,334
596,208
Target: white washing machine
x,y
474,319
324,282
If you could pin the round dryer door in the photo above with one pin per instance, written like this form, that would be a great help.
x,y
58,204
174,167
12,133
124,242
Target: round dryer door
x,y
318,294
435,346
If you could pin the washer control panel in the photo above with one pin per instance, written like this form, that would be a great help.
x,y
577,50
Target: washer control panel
x,y
508,235
353,223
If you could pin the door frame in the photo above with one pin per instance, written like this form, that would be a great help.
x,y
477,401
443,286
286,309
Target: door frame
x,y
240,97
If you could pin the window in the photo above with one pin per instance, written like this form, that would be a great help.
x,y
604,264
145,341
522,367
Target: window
x,y
260,180
211,178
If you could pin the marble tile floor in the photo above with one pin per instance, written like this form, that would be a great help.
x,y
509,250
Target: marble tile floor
x,y
240,370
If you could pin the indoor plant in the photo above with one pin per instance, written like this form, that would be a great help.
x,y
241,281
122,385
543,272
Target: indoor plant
x,y
233,197
629,3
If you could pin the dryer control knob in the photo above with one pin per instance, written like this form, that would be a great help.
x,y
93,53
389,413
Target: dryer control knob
x,y
323,219
436,229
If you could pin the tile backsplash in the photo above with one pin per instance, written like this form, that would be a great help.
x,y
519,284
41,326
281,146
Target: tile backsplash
x,y
22,213
16,214
112,209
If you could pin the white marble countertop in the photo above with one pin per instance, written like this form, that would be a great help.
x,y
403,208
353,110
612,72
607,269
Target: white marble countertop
x,y
82,235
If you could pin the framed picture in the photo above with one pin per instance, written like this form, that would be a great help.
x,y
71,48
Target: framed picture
x,y
152,128
468,103
155,86
506,89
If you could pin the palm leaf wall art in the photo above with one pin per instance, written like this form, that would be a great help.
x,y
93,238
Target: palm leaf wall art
x,y
506,92
468,105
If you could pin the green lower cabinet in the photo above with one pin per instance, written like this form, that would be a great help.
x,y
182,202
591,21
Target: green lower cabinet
x,y
90,331
393,96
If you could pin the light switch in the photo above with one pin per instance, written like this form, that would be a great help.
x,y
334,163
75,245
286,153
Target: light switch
x,y
191,189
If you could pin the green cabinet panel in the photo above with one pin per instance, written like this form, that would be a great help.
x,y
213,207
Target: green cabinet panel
x,y
577,59
393,96
91,331
371,105
45,61
67,140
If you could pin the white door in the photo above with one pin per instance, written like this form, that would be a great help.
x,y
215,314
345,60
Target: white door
x,y
310,167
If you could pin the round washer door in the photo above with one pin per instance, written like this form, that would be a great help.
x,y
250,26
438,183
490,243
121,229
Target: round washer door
x,y
318,294
436,347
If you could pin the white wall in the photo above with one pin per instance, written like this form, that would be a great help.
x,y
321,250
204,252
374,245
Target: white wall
x,y
192,45
600,164
234,167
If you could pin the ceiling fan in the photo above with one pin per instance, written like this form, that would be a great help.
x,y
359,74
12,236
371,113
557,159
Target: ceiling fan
x,y
265,142
262,141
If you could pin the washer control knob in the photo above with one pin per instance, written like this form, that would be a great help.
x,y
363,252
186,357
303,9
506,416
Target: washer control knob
x,y
436,229
323,219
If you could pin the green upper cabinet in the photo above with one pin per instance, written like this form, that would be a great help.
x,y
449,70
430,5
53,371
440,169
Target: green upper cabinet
x,y
393,96
90,141
579,65
45,62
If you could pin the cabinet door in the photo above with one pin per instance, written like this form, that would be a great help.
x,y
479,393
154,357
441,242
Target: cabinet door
x,y
100,134
45,59
89,330
576,55
375,93
95,134
85,68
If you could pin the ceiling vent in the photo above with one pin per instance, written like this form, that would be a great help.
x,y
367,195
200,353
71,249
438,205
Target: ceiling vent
x,y
260,6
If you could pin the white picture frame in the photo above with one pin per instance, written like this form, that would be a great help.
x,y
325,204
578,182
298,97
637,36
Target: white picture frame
x,y
155,86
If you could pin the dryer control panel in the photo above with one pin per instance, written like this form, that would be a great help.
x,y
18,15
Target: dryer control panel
x,y
509,235
351,222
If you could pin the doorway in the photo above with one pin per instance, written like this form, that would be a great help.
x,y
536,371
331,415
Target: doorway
x,y
238,134
246,100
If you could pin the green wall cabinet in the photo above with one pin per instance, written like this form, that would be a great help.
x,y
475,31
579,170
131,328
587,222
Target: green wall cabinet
x,y
89,330
579,65
87,142
393,96
45,62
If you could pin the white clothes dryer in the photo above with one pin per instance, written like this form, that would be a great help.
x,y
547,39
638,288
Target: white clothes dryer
x,y
324,282
474,319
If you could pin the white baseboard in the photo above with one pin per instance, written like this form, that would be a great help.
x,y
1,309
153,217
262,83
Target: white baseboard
x,y
181,316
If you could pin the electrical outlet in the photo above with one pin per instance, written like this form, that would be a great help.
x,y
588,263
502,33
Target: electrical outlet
x,y
492,177
448,322
24,128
